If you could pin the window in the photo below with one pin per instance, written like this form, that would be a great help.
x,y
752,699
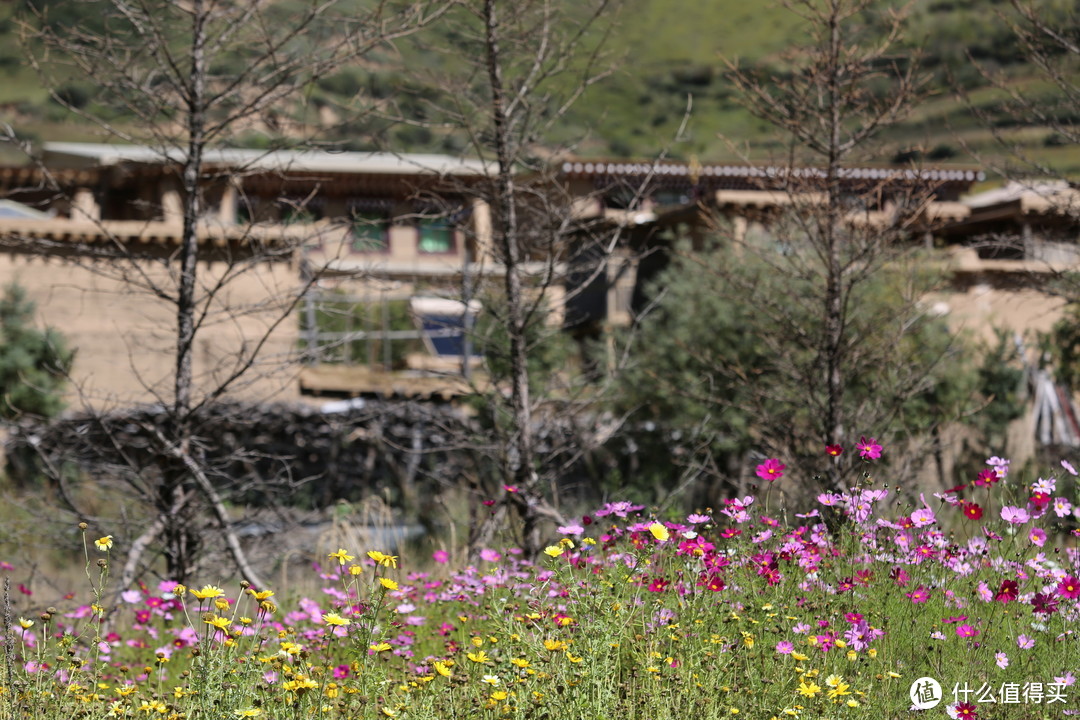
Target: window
x,y
370,231
299,211
247,209
668,197
444,324
436,235
622,198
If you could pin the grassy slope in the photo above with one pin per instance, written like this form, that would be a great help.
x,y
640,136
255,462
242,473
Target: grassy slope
x,y
669,51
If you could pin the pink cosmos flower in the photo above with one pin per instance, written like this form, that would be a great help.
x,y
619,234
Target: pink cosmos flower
x,y
868,449
489,555
1002,660
440,556
829,499
1025,642
1000,465
834,450
1037,536
1068,467
785,647
771,469
923,517
1014,515
619,509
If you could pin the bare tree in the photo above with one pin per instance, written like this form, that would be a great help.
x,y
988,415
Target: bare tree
x,y
820,333
518,68
1046,39
831,110
182,79
1047,45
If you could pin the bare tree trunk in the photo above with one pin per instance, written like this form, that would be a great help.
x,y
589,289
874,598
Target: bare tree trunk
x,y
834,302
520,461
189,253
183,543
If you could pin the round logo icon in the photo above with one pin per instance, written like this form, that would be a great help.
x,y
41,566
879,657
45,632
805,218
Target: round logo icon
x,y
925,693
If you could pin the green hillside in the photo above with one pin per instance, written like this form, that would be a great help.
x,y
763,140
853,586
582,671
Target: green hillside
x,y
666,53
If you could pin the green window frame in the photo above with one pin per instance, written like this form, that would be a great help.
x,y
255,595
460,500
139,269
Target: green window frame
x,y
370,231
436,236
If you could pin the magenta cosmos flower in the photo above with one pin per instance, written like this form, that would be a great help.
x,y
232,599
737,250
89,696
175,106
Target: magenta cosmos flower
x,y
1069,587
868,449
966,631
771,469
919,595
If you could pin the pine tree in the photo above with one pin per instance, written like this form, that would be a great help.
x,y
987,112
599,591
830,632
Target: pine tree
x,y
34,362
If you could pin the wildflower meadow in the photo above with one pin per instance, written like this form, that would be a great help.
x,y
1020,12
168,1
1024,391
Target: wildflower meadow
x,y
960,604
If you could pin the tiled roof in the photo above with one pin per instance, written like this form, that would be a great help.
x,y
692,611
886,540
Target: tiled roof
x,y
668,169
100,154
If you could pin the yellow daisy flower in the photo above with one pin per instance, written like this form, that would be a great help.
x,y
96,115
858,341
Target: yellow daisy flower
x,y
207,592
334,619
218,622
342,556
383,559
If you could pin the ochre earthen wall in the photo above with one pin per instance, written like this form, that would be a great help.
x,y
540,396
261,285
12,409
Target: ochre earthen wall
x,y
125,337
